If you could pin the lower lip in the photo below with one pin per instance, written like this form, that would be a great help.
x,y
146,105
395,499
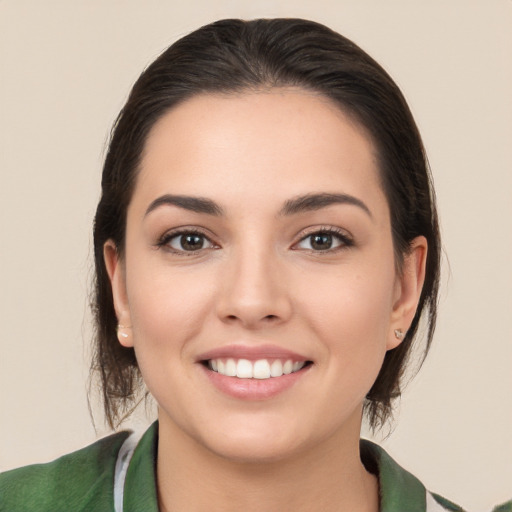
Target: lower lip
x,y
254,389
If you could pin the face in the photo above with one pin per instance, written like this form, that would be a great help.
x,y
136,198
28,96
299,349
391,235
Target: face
x,y
258,282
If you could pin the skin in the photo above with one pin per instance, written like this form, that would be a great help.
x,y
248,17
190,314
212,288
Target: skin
x,y
258,279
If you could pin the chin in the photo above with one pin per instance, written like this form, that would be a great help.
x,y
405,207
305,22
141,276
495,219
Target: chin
x,y
255,450
253,439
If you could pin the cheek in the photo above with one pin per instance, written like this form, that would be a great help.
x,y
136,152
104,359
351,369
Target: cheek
x,y
168,311
351,312
361,301
167,307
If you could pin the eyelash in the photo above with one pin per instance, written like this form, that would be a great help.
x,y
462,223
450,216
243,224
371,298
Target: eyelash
x,y
345,241
166,238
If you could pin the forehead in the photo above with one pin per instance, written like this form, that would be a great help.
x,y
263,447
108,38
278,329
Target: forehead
x,y
274,144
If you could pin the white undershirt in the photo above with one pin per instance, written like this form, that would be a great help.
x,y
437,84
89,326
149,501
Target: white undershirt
x,y
123,460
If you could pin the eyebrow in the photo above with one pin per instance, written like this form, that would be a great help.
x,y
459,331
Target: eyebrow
x,y
310,202
193,204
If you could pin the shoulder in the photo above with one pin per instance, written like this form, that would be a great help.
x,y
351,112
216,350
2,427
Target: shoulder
x,y
504,507
399,489
81,480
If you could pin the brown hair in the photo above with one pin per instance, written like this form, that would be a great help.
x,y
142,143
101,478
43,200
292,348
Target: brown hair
x,y
232,56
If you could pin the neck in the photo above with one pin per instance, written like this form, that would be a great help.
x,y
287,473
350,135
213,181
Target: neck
x,y
329,477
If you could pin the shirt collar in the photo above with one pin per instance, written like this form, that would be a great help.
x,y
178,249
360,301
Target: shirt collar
x,y
399,490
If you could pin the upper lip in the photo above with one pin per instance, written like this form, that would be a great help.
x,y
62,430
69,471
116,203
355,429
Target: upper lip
x,y
252,353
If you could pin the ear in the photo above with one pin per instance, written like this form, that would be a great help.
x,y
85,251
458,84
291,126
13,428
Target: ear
x,y
407,291
116,273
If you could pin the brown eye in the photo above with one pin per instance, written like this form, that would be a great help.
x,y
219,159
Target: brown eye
x,y
324,241
189,242
321,241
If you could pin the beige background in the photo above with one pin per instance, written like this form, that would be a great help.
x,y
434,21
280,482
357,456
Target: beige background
x,y
65,70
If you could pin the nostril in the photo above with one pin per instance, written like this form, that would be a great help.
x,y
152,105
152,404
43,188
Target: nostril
x,y
267,317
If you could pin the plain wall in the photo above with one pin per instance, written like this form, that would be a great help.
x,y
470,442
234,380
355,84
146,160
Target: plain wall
x,y
65,69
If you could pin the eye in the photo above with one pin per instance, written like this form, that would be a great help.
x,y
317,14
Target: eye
x,y
324,240
186,241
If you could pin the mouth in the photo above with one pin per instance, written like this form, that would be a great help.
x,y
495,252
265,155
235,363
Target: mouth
x,y
253,372
261,369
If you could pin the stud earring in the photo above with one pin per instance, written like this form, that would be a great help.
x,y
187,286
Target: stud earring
x,y
120,332
399,334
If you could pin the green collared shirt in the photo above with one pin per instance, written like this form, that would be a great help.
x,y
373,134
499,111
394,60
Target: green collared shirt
x,y
117,474
504,507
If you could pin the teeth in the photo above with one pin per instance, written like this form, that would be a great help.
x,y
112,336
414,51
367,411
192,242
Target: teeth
x,y
244,369
231,368
287,367
261,369
276,368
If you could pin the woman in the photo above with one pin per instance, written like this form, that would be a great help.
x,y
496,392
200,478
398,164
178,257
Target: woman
x,y
266,244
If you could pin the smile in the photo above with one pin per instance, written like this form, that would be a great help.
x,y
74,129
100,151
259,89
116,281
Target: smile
x,y
260,369
253,372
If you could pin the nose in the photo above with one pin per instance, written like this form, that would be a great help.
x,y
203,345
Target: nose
x,y
254,290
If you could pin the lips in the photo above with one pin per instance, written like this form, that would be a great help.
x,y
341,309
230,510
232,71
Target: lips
x,y
253,372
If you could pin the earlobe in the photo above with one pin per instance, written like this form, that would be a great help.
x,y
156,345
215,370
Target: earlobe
x,y
115,270
408,291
